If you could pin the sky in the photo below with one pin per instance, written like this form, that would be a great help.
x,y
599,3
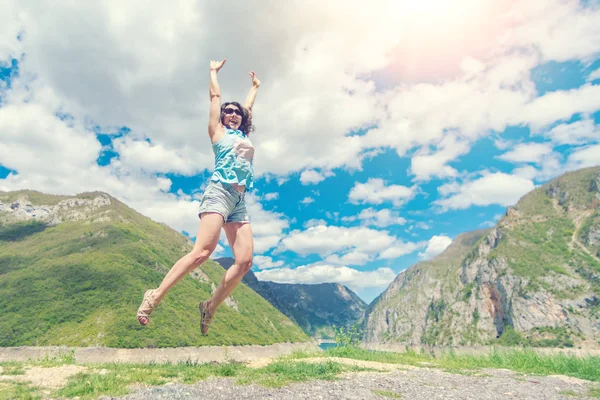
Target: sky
x,y
384,129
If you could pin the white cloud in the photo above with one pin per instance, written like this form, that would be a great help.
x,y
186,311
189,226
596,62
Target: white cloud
x,y
375,191
265,262
527,171
321,273
326,240
10,47
560,30
491,188
311,176
267,226
491,223
594,75
527,152
351,258
419,225
154,158
579,132
307,200
588,156
34,141
435,246
271,196
419,114
219,251
503,144
399,249
448,188
163,102
422,225
140,73
550,167
380,218
425,164
314,222
560,105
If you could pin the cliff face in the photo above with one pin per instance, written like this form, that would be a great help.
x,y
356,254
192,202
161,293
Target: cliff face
x,y
532,279
315,308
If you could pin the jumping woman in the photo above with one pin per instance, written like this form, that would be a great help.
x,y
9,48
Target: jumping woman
x,y
222,204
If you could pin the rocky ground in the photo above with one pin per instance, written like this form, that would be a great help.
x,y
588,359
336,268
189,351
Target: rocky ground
x,y
413,383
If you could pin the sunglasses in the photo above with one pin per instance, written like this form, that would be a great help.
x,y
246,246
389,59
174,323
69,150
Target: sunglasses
x,y
229,111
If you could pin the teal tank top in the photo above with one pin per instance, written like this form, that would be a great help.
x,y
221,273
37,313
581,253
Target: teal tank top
x,y
234,155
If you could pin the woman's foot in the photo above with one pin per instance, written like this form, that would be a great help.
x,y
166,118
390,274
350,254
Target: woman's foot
x,y
145,310
205,316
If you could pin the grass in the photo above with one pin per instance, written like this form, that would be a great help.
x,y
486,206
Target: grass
x,y
17,390
115,379
283,372
524,361
387,393
568,393
12,368
535,249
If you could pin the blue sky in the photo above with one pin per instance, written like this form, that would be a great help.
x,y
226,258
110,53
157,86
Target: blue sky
x,y
375,146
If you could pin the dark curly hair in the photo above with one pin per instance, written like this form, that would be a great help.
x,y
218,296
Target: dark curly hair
x,y
246,125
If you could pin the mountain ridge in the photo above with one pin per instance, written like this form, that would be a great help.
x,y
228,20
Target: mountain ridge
x,y
314,307
73,270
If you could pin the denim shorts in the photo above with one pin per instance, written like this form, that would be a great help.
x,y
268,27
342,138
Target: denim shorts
x,y
224,199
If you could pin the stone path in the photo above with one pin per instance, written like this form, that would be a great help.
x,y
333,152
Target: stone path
x,y
85,355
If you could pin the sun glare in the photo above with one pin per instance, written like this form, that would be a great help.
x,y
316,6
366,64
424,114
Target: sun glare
x,y
438,11
436,35
420,6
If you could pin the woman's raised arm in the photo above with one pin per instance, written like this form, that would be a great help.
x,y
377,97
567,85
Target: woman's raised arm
x,y
252,93
214,117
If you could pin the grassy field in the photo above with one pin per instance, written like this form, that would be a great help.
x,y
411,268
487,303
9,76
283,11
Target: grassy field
x,y
115,379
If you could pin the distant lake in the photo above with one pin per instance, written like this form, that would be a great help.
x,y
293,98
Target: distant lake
x,y
326,346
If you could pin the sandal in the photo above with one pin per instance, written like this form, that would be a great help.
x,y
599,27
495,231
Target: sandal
x,y
205,317
146,308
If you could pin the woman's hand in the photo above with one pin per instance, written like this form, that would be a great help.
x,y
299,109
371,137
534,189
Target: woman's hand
x,y
216,65
255,81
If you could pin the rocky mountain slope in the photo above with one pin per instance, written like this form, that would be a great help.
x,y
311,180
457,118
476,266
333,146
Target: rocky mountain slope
x,y
315,308
73,270
533,279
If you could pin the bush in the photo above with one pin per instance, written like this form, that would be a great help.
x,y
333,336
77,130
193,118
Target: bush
x,y
347,337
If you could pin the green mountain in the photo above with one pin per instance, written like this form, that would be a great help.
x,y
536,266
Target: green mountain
x,y
315,308
534,279
73,271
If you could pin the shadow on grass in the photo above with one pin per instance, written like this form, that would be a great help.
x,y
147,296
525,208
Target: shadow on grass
x,y
19,231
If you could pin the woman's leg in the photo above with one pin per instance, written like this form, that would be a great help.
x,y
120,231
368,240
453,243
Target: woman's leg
x,y
241,242
206,242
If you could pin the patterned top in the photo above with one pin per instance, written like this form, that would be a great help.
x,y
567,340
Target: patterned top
x,y
233,159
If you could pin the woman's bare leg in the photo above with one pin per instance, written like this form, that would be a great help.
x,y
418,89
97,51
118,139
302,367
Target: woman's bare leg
x,y
240,239
206,242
